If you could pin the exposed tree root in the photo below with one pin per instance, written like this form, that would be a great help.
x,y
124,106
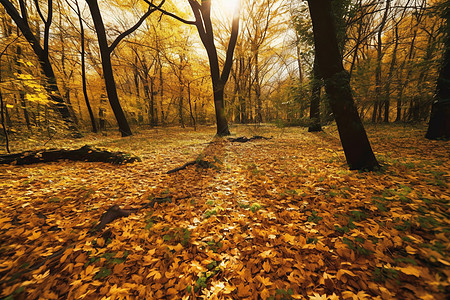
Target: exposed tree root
x,y
199,163
114,212
85,153
244,139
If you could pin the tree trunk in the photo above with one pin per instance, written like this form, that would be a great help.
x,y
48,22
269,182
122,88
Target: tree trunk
x,y
221,120
23,102
314,112
376,116
153,122
2,113
257,90
391,71
83,70
439,126
190,106
357,149
108,74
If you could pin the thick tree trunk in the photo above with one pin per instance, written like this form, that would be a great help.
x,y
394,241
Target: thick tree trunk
x,y
439,126
221,120
108,74
314,110
357,149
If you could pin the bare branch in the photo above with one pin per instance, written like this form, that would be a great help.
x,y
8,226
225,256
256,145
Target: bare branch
x,y
132,29
231,45
38,8
169,14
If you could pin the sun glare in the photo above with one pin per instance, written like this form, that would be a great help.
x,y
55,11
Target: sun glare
x,y
228,6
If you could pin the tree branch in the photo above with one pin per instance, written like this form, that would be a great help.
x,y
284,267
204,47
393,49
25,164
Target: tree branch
x,y
136,26
169,14
47,25
22,23
38,8
231,45
23,10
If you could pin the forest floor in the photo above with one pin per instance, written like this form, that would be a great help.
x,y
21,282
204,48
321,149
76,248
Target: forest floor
x,y
281,218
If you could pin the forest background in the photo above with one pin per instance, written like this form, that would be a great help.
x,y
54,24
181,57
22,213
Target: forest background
x,y
392,51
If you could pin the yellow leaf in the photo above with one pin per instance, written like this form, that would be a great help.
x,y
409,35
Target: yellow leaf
x,y
266,254
289,239
342,272
101,242
264,280
243,290
265,294
266,266
171,291
65,255
34,235
409,270
410,250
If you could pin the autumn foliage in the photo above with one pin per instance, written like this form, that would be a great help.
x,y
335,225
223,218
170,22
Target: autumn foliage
x,y
278,218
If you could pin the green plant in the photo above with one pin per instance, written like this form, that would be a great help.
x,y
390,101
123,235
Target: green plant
x,y
314,217
210,212
104,272
356,245
282,294
255,207
382,274
177,235
201,282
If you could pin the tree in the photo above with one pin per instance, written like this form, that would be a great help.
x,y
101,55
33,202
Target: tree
x,y
42,52
314,112
439,126
83,64
105,52
202,14
357,149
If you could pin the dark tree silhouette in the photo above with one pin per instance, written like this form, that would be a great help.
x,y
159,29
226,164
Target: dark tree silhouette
x,y
357,149
439,126
314,110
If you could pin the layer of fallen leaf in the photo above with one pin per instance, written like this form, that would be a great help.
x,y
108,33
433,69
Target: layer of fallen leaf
x,y
272,219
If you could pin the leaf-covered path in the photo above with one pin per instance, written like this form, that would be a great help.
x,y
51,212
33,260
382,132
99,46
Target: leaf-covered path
x,y
268,219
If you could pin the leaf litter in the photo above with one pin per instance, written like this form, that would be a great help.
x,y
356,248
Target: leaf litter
x,y
281,218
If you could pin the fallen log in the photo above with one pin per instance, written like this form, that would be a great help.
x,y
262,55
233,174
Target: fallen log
x,y
85,153
244,139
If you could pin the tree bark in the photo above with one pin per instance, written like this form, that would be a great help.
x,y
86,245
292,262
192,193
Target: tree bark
x,y
83,70
357,149
439,126
314,110
108,74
